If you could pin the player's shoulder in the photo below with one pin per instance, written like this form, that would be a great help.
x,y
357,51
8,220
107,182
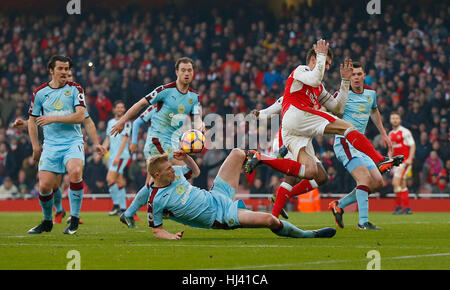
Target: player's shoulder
x,y
193,91
404,130
301,68
41,88
369,90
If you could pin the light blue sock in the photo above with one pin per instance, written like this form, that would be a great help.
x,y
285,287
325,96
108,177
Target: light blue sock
x,y
46,202
114,192
139,201
76,191
289,230
122,198
57,200
348,199
362,196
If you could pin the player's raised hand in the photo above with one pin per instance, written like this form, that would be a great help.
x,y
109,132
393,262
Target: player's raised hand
x,y
117,128
347,68
321,47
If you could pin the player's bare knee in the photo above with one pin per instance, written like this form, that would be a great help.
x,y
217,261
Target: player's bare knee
x,y
239,153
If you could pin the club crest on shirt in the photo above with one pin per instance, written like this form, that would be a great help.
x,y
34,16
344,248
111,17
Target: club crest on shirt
x,y
361,107
181,109
180,189
58,105
67,93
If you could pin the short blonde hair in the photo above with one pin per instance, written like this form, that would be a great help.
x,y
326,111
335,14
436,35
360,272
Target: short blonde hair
x,y
154,162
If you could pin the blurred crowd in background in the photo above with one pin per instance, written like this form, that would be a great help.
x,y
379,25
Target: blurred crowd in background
x,y
243,55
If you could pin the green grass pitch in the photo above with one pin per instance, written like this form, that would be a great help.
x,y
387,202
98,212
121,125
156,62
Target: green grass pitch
x,y
417,241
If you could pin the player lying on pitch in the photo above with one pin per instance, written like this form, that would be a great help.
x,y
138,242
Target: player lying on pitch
x,y
172,196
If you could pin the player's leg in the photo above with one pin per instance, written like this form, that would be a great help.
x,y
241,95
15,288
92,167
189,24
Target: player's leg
x,y
111,180
361,143
57,200
122,194
50,165
405,192
76,190
251,219
231,168
396,184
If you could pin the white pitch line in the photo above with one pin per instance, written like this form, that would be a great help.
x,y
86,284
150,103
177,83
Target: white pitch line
x,y
329,262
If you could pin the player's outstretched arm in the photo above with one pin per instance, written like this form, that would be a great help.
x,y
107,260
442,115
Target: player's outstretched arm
x,y
131,113
273,109
337,103
314,77
160,233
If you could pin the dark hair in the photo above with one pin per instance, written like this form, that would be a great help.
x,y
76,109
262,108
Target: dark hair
x,y
311,52
357,64
118,102
52,62
395,113
184,60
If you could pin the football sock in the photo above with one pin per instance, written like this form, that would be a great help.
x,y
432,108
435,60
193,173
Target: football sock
x,y
398,198
46,202
404,195
122,198
282,195
113,191
361,143
57,200
286,166
348,199
76,190
289,230
139,201
303,187
362,197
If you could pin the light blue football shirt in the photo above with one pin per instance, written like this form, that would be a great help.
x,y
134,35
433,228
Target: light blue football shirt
x,y
358,108
171,112
115,141
47,101
181,202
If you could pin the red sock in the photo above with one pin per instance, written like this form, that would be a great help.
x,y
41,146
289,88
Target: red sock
x,y
281,199
398,199
405,198
361,143
302,187
285,166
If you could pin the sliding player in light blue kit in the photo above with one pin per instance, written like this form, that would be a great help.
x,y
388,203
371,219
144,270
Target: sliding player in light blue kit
x,y
361,105
173,197
174,102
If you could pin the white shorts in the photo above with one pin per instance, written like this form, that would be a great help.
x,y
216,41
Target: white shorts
x,y
402,171
276,147
299,127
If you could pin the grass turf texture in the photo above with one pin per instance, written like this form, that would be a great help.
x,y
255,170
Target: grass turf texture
x,y
418,241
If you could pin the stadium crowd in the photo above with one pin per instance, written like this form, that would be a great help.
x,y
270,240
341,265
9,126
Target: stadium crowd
x,y
243,54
